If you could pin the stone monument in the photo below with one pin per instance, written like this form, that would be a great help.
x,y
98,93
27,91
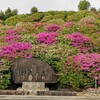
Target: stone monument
x,y
33,74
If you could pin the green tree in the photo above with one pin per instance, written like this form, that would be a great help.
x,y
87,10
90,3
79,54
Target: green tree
x,y
8,13
14,12
2,15
93,9
84,5
34,10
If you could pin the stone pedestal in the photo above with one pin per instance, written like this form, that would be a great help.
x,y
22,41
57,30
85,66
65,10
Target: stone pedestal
x,y
33,87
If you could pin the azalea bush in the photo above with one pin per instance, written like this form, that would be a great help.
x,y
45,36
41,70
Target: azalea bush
x,y
80,41
5,79
74,80
15,19
55,55
89,63
40,24
35,17
79,71
8,54
68,24
79,15
47,38
47,18
56,21
24,18
12,36
89,25
53,28
15,50
68,41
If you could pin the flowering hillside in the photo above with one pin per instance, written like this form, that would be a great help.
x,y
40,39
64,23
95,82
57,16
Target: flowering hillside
x,y
67,41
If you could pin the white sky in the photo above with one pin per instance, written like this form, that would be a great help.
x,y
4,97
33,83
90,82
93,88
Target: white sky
x,y
24,6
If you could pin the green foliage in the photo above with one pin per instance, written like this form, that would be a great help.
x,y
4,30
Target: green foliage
x,y
8,13
70,13
47,18
2,15
88,20
5,80
95,45
54,15
14,12
71,76
93,9
60,16
79,15
15,19
34,17
84,5
55,54
75,80
56,21
34,10
74,28
24,18
88,25
48,13
28,38
5,74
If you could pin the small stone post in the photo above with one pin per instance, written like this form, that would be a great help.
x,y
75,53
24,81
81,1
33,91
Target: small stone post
x,y
96,82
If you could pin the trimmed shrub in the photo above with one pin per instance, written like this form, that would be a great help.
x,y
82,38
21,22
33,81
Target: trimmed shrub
x,y
36,17
56,21
15,19
47,18
80,14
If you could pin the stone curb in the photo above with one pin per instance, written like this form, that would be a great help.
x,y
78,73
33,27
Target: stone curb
x,y
61,97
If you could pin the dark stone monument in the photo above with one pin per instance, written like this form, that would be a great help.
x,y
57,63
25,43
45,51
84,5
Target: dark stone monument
x,y
32,70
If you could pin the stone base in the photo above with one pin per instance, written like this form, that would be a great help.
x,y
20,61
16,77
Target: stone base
x,y
33,87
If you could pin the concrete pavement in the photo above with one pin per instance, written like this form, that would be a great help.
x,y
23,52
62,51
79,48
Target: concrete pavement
x,y
27,97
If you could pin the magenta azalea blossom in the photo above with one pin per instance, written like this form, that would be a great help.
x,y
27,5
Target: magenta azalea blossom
x,y
15,49
68,24
53,28
47,38
12,36
79,41
11,32
89,62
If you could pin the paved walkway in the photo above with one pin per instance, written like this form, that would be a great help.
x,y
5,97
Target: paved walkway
x,y
18,97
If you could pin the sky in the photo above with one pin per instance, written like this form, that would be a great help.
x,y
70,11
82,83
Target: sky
x,y
24,6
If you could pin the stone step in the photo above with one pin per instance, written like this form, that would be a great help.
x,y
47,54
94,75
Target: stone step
x,y
56,93
13,92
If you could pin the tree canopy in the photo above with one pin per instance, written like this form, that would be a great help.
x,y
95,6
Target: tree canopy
x,y
34,10
84,5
